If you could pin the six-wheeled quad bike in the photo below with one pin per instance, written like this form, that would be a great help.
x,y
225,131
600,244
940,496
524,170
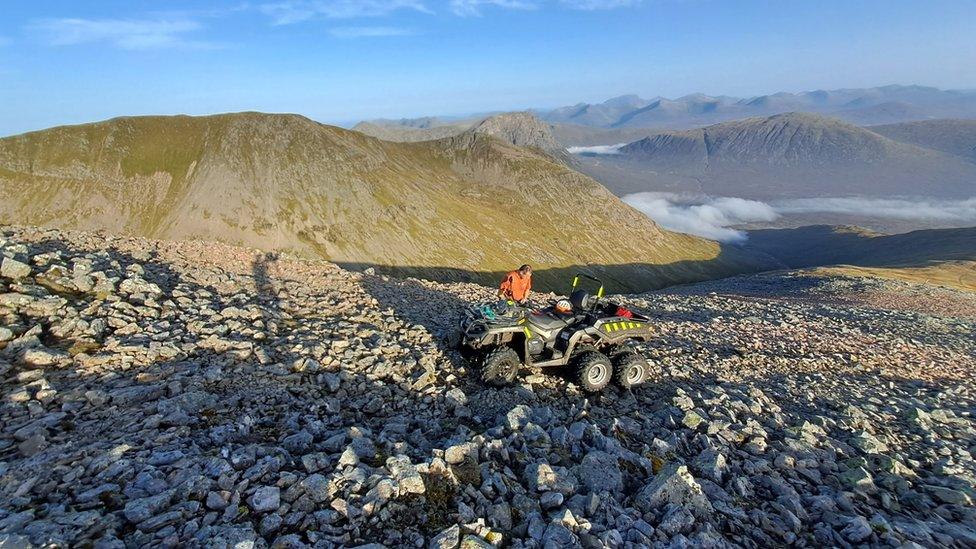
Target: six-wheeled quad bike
x,y
590,334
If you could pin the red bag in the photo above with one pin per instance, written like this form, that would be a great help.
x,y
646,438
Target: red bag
x,y
623,312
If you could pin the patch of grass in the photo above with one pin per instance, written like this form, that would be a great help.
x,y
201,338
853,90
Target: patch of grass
x,y
440,500
83,346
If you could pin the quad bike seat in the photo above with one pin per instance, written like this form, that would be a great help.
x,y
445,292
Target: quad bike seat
x,y
550,320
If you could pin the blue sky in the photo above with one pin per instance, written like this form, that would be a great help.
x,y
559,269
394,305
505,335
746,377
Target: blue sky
x,y
339,61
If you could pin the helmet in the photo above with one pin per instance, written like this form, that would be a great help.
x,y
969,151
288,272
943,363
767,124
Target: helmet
x,y
563,306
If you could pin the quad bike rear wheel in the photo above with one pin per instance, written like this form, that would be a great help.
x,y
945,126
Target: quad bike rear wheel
x,y
500,367
592,370
629,369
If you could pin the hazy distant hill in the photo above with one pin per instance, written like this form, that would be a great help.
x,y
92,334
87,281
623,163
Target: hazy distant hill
x,y
572,135
407,134
787,155
521,129
862,106
601,115
879,105
461,205
956,137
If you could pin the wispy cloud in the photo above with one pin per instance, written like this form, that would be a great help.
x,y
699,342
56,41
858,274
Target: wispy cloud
x,y
132,34
590,5
369,32
467,8
960,211
597,149
296,11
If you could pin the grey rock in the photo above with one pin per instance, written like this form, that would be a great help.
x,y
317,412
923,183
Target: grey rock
x,y
600,472
139,510
710,464
448,538
13,269
551,500
673,484
856,529
459,453
405,474
265,498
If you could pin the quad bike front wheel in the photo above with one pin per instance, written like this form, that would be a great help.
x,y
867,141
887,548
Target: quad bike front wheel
x,y
629,370
500,367
592,370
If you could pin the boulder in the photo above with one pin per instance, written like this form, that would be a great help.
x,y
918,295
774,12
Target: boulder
x,y
13,269
673,484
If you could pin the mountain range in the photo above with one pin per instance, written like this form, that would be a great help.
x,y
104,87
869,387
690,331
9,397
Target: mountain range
x,y
464,207
861,106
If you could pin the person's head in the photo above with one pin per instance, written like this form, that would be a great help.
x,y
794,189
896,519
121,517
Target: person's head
x,y
525,270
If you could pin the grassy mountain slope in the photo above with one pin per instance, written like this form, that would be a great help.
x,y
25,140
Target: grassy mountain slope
x,y
787,155
466,206
939,256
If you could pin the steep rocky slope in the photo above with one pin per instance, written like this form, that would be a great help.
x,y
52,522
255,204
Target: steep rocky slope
x,y
465,207
788,155
192,394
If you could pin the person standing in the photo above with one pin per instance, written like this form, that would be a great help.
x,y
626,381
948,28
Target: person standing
x,y
516,285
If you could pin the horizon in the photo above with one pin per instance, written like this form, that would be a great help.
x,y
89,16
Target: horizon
x,y
344,61
349,124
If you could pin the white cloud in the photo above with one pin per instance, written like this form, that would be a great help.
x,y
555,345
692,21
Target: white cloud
x,y
710,219
473,7
963,211
714,217
597,149
296,11
369,32
133,34
590,5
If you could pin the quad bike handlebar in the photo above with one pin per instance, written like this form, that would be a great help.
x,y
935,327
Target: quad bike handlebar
x,y
599,292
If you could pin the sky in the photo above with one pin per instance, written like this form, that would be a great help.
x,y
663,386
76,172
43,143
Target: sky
x,y
340,61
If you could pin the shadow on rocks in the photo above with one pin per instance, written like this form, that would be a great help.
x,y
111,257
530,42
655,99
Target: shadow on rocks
x,y
145,407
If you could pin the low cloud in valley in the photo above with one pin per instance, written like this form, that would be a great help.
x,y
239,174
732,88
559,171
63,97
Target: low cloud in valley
x,y
715,217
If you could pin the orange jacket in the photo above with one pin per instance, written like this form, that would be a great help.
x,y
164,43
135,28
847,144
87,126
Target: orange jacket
x,y
515,286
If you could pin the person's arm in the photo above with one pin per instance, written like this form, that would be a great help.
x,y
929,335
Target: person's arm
x,y
505,289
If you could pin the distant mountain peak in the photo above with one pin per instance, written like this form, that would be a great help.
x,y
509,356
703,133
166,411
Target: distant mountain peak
x,y
523,129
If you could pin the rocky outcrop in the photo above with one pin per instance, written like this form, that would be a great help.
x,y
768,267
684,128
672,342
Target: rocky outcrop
x,y
523,129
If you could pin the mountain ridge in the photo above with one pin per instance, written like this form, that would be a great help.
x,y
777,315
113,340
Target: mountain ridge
x,y
867,106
